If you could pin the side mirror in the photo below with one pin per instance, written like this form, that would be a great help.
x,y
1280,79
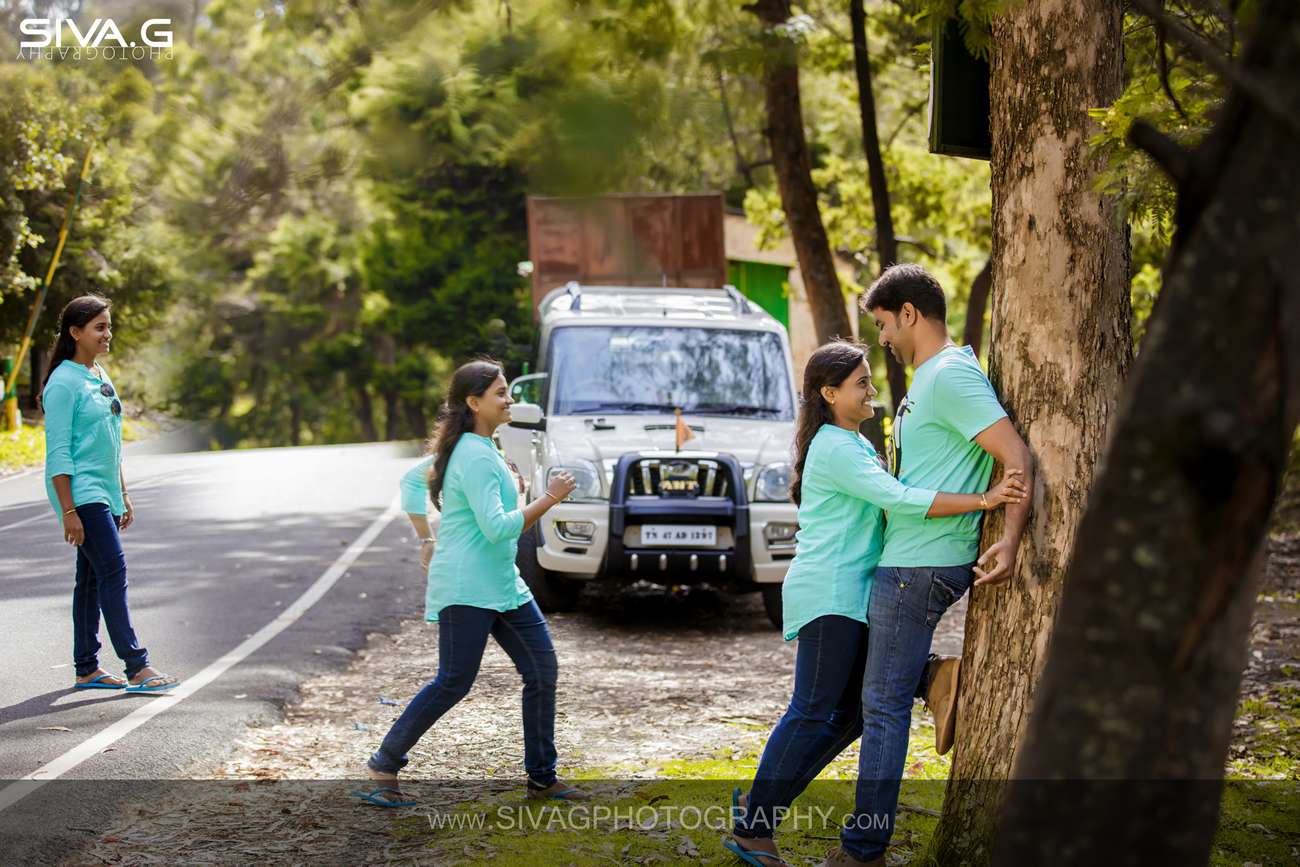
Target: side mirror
x,y
527,416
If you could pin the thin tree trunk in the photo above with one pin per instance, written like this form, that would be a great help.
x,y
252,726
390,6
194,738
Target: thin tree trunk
x,y
366,413
973,336
392,416
886,245
793,168
38,357
1059,350
416,418
1145,666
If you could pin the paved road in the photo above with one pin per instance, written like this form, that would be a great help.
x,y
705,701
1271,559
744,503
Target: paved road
x,y
223,543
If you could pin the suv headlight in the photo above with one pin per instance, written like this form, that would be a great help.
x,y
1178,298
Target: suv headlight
x,y
585,473
773,484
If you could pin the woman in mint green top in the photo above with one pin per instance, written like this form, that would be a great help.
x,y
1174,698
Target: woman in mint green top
x,y
474,588
843,495
478,537
83,479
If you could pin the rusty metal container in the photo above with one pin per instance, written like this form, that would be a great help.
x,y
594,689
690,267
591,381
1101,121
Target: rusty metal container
x,y
626,240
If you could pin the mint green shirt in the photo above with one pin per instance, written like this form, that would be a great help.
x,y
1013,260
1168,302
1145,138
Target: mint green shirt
x,y
950,402
839,541
474,560
83,438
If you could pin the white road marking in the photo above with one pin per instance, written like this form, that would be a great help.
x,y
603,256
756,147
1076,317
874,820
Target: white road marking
x,y
20,789
44,515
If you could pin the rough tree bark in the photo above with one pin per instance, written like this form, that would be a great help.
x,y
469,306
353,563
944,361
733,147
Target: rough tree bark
x,y
886,245
973,335
793,168
1146,659
1060,348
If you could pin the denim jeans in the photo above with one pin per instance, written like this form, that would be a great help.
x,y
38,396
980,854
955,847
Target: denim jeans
x,y
905,606
824,717
463,632
101,586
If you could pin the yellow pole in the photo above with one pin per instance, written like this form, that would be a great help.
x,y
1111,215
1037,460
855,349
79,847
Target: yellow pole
x,y
13,420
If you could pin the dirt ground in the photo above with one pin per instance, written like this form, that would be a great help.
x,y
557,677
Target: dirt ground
x,y
650,685
709,671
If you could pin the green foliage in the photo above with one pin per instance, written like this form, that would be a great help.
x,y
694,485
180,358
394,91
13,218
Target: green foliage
x,y
21,449
314,210
1181,102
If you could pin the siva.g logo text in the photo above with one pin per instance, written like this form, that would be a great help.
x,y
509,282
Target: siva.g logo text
x,y
102,39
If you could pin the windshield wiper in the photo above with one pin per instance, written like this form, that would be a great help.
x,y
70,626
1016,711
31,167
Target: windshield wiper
x,y
625,406
734,409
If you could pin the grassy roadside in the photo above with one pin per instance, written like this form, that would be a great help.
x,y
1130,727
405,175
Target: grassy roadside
x,y
24,449
681,817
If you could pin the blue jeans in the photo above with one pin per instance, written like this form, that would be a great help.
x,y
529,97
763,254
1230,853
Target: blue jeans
x,y
101,586
824,717
463,632
905,606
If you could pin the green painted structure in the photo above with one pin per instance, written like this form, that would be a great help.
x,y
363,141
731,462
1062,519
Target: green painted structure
x,y
768,286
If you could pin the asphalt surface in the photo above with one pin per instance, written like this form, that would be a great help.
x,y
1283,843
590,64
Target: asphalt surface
x,y
223,542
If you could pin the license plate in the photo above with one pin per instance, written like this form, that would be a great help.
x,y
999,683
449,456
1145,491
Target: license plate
x,y
682,535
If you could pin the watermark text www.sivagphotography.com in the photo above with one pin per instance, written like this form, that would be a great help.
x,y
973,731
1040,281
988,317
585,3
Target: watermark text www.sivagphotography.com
x,y
102,39
602,817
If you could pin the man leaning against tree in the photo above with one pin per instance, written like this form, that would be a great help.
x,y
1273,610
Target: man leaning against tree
x,y
947,434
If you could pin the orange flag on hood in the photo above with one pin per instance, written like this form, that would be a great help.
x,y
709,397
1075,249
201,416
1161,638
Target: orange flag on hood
x,y
684,433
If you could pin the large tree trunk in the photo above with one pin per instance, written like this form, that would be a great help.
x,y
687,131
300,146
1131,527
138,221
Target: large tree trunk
x,y
793,167
886,245
1146,660
1059,349
976,304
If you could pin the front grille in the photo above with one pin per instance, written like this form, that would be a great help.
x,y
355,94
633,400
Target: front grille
x,y
699,477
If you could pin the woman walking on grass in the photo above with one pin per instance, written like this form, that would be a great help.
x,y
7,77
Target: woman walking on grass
x,y
86,487
474,588
841,490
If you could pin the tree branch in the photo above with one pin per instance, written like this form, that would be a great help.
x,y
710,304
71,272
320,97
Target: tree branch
x,y
1243,79
1175,159
1162,64
741,165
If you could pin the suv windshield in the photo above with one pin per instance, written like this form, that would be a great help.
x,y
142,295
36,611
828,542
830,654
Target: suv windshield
x,y
705,371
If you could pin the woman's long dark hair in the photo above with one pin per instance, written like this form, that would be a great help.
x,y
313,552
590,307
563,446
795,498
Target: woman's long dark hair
x,y
76,314
829,365
455,418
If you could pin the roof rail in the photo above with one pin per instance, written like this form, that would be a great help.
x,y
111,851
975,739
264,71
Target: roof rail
x,y
574,291
741,302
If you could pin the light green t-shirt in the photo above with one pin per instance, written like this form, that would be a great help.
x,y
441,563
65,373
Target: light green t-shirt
x,y
950,402
83,436
842,492
474,560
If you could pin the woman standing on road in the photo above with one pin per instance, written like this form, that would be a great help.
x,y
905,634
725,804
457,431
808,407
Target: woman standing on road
x,y
474,589
841,489
84,481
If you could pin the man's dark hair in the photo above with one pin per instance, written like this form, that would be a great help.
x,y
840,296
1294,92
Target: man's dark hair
x,y
907,284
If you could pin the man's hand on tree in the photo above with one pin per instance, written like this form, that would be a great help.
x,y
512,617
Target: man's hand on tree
x,y
1001,556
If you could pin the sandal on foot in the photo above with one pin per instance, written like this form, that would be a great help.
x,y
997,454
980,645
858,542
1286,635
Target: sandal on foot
x,y
753,856
164,681
383,796
100,683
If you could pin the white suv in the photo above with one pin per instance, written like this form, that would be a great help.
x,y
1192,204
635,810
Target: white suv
x,y
616,364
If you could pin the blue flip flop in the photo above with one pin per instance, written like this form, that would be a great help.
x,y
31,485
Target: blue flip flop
x,y
144,685
750,856
376,797
98,683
